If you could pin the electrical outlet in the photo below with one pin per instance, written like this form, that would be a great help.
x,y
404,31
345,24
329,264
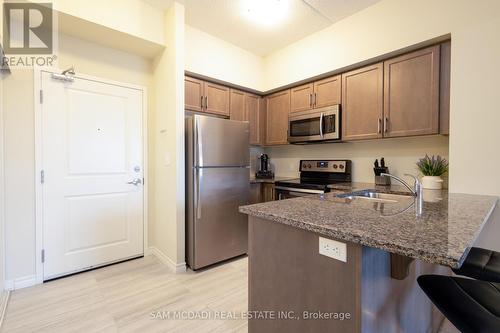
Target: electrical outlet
x,y
333,249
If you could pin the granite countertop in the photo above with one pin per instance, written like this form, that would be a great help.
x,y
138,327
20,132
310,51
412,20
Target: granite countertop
x,y
443,234
254,180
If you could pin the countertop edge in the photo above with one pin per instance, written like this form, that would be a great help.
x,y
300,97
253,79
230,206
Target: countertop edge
x,y
366,241
478,232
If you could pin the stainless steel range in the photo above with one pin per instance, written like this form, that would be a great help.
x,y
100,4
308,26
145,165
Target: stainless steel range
x,y
315,176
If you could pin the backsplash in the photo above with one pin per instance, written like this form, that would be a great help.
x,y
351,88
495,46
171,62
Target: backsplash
x,y
400,154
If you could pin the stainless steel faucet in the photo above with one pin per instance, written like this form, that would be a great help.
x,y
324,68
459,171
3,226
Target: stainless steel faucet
x,y
417,191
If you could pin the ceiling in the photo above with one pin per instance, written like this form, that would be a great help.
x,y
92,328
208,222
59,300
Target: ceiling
x,y
226,20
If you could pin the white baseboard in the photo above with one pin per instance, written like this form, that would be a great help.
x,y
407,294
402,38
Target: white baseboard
x,y
4,300
177,268
22,282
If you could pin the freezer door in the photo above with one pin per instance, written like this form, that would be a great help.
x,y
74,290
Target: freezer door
x,y
219,231
220,142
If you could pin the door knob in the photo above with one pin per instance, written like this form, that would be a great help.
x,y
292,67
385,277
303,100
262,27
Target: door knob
x,y
135,182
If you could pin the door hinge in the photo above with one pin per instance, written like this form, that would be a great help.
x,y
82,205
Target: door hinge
x,y
41,96
43,256
42,176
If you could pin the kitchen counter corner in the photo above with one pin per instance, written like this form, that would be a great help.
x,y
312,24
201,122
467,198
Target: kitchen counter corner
x,y
443,234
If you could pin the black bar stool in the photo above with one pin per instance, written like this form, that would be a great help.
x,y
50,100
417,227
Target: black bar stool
x,y
472,306
481,264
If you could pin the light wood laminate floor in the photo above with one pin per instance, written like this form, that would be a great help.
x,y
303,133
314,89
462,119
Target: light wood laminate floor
x,y
121,298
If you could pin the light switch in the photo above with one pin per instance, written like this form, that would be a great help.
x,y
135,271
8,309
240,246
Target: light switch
x,y
166,161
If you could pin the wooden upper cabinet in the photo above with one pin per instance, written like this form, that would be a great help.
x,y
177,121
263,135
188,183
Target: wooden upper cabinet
x,y
193,94
302,97
253,116
444,89
247,107
411,93
327,92
362,103
278,109
202,96
217,99
317,94
237,105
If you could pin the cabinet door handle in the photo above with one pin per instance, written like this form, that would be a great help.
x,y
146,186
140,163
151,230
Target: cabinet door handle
x,y
386,125
201,102
379,127
310,100
206,102
315,99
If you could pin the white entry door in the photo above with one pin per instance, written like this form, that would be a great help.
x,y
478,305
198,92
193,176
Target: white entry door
x,y
92,161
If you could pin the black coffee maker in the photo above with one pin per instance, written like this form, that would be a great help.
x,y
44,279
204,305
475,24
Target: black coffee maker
x,y
264,172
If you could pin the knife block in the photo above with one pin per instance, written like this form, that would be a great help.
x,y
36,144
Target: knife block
x,y
382,180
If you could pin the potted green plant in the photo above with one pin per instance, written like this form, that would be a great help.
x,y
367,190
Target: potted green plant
x,y
432,168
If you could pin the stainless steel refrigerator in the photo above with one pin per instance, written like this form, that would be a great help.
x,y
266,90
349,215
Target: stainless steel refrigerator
x,y
217,176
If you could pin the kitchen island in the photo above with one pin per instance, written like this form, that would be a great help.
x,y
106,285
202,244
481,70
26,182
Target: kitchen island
x,y
386,248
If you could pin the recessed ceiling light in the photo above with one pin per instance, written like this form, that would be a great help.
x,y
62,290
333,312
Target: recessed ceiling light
x,y
266,13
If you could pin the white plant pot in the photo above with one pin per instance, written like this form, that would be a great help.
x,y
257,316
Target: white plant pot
x,y
432,195
432,182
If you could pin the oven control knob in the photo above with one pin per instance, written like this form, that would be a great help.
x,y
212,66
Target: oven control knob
x,y
341,166
335,166
304,165
309,166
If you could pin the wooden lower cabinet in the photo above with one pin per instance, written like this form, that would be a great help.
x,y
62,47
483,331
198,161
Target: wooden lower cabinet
x,y
267,192
411,93
261,192
362,103
278,109
255,193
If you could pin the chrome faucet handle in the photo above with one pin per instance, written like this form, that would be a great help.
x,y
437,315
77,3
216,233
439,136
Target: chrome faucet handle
x,y
405,184
417,191
415,178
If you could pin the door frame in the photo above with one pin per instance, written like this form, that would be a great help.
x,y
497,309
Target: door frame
x,y
37,85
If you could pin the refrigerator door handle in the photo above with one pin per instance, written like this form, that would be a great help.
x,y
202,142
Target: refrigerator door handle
x,y
198,144
198,176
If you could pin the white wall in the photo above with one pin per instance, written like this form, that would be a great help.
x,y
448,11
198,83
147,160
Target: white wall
x,y
2,193
400,155
167,143
88,58
213,57
394,24
134,17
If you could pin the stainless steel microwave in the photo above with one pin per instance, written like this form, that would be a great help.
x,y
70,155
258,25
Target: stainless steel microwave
x,y
314,125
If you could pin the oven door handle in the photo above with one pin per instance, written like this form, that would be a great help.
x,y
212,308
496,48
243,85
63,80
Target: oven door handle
x,y
321,125
299,190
